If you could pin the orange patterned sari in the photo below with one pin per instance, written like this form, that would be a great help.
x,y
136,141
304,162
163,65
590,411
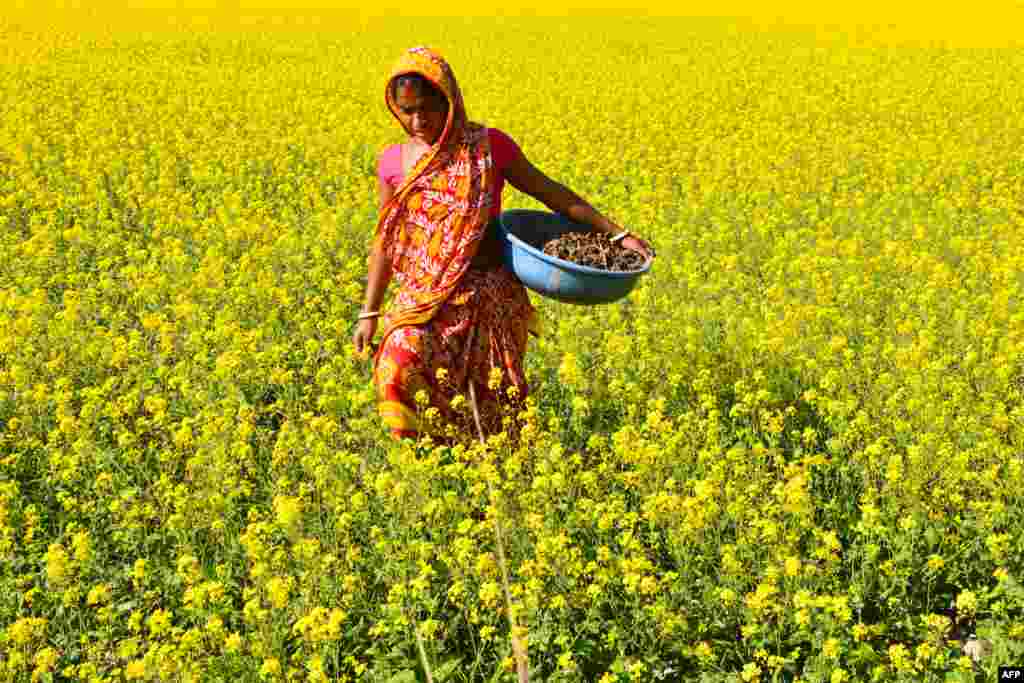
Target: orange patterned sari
x,y
447,315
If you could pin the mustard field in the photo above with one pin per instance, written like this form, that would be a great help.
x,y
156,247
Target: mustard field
x,y
795,452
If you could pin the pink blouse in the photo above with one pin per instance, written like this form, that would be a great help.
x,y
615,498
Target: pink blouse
x,y
503,151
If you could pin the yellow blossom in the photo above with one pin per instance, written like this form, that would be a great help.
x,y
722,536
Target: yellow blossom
x,y
966,602
135,669
271,667
233,643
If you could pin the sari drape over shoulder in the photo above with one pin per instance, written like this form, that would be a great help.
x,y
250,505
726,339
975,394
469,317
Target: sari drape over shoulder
x,y
446,314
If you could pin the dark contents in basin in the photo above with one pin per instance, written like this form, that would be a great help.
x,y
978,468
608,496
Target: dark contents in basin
x,y
593,249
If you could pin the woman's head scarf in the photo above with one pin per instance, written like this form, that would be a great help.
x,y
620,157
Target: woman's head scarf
x,y
432,226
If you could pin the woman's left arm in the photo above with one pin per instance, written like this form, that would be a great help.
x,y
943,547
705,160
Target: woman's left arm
x,y
527,178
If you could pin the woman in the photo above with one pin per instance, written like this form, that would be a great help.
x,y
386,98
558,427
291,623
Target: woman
x,y
458,309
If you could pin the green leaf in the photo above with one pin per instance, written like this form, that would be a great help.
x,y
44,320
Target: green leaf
x,y
404,676
499,671
443,672
864,653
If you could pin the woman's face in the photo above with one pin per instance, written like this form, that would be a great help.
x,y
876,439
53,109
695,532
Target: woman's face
x,y
423,115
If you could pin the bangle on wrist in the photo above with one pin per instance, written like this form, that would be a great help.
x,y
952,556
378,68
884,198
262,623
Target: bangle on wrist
x,y
624,233
366,315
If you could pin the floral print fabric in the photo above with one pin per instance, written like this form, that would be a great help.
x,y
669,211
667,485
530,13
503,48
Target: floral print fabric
x,y
484,327
446,314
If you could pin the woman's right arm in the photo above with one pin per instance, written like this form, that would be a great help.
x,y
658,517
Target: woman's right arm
x,y
380,265
377,281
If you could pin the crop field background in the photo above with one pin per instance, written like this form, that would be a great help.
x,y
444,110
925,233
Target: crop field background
x,y
794,452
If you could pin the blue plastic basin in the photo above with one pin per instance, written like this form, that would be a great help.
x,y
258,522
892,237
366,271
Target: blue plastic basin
x,y
565,281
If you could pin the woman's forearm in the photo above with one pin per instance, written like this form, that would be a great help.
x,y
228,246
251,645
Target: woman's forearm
x,y
574,207
377,280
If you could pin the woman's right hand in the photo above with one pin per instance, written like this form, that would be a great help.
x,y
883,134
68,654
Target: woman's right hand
x,y
363,337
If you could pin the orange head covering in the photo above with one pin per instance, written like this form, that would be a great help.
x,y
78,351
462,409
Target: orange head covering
x,y
432,226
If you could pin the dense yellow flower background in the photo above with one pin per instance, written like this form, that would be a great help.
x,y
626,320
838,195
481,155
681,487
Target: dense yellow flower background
x,y
984,23
793,453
